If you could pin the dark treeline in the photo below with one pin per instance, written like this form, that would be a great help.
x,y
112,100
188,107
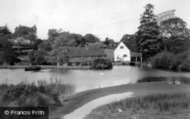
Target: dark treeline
x,y
24,44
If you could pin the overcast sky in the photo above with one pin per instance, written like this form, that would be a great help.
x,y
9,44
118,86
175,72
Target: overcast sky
x,y
103,18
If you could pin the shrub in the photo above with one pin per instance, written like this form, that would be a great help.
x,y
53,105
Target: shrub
x,y
101,64
169,61
162,60
36,95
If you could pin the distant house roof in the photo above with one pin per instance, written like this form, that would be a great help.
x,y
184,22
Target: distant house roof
x,y
85,52
131,48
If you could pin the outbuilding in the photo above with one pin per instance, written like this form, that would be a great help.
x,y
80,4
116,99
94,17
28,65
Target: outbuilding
x,y
124,52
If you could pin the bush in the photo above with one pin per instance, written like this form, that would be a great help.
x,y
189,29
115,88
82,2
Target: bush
x,y
101,64
162,60
169,61
33,95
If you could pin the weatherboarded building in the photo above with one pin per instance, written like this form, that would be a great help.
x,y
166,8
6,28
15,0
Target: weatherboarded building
x,y
84,55
124,52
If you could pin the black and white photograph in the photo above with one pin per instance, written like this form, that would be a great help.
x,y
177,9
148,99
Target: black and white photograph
x,y
94,59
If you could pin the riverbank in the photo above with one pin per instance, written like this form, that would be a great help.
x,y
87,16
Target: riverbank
x,y
46,67
58,67
72,102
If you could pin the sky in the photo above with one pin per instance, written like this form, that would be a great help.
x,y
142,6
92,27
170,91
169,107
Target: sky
x,y
103,18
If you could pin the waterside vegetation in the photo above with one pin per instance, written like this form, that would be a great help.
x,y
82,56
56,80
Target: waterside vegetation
x,y
170,61
41,94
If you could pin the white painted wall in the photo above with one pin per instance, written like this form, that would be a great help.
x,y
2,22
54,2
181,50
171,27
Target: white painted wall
x,y
119,53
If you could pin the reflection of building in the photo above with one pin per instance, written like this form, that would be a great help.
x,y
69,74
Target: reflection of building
x,y
126,53
164,16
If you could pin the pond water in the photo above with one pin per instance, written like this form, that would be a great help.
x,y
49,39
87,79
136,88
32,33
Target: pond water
x,y
80,80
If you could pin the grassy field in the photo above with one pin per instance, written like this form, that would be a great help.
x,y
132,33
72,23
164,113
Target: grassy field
x,y
160,106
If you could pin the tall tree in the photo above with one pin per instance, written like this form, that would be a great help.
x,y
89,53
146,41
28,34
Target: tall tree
x,y
131,39
174,28
176,35
110,43
69,39
59,55
53,33
7,53
5,32
149,41
26,32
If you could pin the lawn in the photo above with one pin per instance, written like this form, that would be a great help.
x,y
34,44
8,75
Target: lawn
x,y
72,102
157,106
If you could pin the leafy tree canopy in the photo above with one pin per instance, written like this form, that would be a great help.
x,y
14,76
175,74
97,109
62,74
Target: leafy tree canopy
x,y
7,54
149,40
110,43
26,32
53,33
176,35
68,39
174,28
5,32
90,38
130,38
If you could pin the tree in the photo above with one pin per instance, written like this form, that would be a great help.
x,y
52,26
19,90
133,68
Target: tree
x,y
131,39
26,32
69,39
110,43
78,39
174,28
90,38
5,32
37,57
149,40
7,53
59,55
46,46
53,33
176,35
37,42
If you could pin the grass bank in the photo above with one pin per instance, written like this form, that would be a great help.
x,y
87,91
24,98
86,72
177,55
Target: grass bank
x,y
72,102
160,106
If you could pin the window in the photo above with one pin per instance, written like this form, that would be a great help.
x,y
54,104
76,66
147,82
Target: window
x,y
124,55
133,59
138,59
121,47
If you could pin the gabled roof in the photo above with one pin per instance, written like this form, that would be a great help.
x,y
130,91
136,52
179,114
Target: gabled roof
x,y
131,48
85,52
